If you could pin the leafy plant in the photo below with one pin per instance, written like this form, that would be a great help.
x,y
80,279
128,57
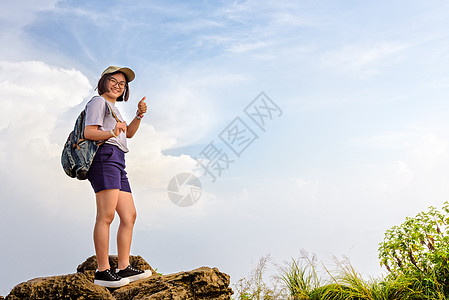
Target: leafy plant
x,y
419,243
419,248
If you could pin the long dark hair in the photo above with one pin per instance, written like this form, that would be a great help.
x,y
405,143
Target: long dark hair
x,y
102,86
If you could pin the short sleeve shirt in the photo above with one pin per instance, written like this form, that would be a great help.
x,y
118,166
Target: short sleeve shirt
x,y
97,113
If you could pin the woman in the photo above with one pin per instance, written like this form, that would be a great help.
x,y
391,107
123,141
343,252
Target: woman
x,y
107,175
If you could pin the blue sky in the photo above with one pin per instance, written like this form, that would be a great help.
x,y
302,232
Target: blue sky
x,y
361,144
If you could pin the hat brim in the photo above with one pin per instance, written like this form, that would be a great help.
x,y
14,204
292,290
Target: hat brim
x,y
127,71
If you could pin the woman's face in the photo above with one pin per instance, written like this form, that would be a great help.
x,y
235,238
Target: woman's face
x,y
116,86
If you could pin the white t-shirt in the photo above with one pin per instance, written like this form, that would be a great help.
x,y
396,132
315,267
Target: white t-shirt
x,y
98,114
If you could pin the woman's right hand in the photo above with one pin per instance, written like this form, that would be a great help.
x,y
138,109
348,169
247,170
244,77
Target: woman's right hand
x,y
120,127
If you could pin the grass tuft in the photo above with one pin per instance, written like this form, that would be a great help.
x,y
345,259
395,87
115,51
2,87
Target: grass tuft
x,y
300,279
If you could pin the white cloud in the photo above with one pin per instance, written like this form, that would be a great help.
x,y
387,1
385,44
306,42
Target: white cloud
x,y
182,111
188,104
34,95
431,149
414,175
347,208
190,27
420,143
366,59
286,18
245,47
148,166
386,140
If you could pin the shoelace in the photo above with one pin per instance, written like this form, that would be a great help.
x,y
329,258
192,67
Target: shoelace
x,y
114,276
130,267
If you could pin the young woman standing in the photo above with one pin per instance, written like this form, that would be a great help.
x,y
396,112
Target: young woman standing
x,y
107,174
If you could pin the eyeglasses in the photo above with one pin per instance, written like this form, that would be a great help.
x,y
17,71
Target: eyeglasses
x,y
114,82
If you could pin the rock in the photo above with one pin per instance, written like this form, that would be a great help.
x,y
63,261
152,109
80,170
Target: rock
x,y
203,284
72,286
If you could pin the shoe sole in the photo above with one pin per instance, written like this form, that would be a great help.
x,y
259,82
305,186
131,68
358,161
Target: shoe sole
x,y
112,284
146,274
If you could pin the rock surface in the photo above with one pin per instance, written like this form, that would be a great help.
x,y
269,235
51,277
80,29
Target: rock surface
x,y
203,284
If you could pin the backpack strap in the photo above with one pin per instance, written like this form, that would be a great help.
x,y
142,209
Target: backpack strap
x,y
99,143
111,111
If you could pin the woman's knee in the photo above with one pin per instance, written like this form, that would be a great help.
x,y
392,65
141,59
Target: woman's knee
x,y
129,218
105,218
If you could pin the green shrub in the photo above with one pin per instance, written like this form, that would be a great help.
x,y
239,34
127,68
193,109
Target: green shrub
x,y
419,249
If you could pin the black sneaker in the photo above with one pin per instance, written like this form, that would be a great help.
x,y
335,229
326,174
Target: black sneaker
x,y
107,278
133,274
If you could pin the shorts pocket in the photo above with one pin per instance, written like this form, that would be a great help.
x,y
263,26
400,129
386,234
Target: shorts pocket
x,y
104,154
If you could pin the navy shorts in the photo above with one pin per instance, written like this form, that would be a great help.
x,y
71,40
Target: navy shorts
x,y
108,170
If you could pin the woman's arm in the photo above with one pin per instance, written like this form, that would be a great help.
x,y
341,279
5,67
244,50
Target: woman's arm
x,y
91,132
132,128
135,123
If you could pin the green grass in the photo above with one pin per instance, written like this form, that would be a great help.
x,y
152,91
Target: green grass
x,y
303,279
300,277
416,253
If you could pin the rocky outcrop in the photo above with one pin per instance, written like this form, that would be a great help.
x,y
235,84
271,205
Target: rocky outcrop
x,y
72,286
203,284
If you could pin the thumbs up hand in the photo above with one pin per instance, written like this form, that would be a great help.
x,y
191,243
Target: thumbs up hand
x,y
141,107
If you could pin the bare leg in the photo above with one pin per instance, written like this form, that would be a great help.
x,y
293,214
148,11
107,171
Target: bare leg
x,y
127,213
106,205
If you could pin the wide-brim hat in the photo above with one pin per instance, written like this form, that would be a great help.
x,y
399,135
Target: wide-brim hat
x,y
127,71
